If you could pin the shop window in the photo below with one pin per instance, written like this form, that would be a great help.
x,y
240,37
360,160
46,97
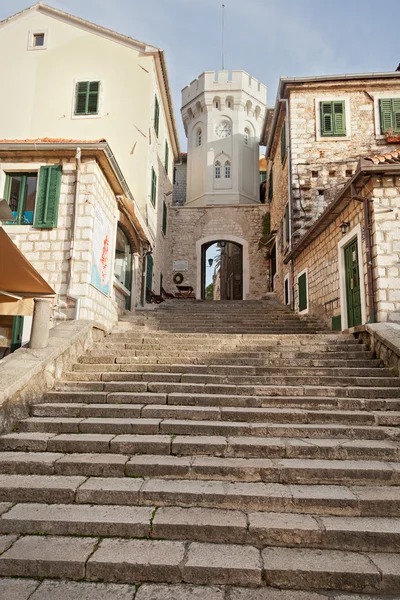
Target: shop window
x,y
122,263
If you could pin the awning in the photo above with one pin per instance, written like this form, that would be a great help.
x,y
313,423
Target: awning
x,y
19,280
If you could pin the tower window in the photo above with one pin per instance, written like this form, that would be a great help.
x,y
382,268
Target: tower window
x,y
217,170
217,105
246,137
227,170
198,137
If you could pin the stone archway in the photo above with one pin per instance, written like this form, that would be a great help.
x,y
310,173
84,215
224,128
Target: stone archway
x,y
245,260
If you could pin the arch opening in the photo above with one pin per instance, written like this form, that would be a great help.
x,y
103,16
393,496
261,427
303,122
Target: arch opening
x,y
222,270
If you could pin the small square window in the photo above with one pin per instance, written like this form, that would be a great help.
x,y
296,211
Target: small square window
x,y
38,39
332,173
349,173
314,173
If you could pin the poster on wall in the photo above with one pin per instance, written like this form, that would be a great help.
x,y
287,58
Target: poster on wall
x,y
101,253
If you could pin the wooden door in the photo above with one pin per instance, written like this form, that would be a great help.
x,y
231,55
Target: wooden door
x,y
353,290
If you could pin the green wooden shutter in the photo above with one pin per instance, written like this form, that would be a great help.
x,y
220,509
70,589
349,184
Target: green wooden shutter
x,y
153,186
396,114
326,118
48,197
302,283
161,283
287,232
386,115
339,118
283,141
87,98
156,115
270,186
164,219
281,235
166,156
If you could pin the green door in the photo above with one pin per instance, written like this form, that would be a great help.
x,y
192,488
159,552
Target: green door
x,y
16,336
149,276
353,293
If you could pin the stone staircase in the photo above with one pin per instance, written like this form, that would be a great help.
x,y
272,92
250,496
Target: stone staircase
x,y
207,451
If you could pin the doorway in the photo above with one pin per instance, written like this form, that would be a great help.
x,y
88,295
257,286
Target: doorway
x,y
222,271
353,287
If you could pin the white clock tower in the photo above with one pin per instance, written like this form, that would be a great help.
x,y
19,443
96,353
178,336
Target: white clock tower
x,y
223,119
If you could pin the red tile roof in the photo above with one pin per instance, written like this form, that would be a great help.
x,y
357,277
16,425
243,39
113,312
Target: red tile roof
x,y
47,140
389,158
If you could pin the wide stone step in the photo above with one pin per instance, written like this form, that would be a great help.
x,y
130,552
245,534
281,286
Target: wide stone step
x,y
242,347
133,561
259,529
217,445
382,379
318,352
234,364
160,387
227,400
213,413
303,471
383,501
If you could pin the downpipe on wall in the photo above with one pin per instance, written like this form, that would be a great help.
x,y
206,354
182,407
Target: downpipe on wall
x,y
76,299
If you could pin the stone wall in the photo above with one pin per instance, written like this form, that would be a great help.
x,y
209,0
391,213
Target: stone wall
x,y
188,225
180,178
49,250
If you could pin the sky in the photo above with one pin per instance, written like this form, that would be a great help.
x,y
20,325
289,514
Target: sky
x,y
267,38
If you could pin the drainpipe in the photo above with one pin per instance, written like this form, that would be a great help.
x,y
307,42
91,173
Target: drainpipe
x,y
77,299
289,167
370,277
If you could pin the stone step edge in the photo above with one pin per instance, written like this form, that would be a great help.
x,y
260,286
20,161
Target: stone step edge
x,y
135,561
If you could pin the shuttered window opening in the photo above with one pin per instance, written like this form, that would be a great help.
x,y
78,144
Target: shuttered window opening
x,y
156,115
166,157
302,285
87,96
164,218
283,142
48,197
333,118
153,195
390,115
287,232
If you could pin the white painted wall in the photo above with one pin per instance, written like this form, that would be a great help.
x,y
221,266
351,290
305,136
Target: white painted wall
x,y
38,91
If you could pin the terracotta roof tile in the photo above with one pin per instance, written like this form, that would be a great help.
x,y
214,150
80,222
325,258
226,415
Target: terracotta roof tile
x,y
47,140
389,158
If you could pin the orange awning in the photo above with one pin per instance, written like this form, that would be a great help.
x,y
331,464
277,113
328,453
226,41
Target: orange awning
x,y
18,278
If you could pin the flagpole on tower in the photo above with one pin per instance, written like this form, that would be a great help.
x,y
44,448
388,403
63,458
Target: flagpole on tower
x,y
223,36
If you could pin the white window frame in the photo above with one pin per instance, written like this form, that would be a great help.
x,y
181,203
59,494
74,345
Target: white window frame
x,y
287,278
332,138
31,39
217,173
227,169
100,107
377,111
354,233
306,310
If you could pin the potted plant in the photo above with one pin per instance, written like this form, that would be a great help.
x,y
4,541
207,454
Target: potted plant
x,y
392,136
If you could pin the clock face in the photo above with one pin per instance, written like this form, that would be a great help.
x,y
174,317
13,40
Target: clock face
x,y
223,130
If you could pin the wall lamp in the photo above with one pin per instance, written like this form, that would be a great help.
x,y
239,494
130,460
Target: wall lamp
x,y
344,227
210,261
222,244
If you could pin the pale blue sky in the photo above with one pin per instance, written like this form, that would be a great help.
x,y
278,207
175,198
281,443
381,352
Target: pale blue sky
x,y
267,38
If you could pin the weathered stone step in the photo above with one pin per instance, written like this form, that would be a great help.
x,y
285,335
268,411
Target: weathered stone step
x,y
133,561
145,426
302,471
188,445
381,379
383,501
239,370
214,413
22,589
259,529
227,400
160,387
173,366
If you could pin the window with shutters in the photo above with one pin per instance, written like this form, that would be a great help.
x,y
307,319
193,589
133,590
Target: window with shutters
x,y
20,193
283,142
164,219
333,118
287,224
87,98
302,291
153,193
156,115
166,157
48,197
217,170
390,115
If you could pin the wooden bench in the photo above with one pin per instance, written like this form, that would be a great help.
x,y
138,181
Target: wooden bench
x,y
153,298
185,292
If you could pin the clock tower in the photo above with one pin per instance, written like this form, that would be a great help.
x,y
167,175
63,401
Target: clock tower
x,y
223,119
